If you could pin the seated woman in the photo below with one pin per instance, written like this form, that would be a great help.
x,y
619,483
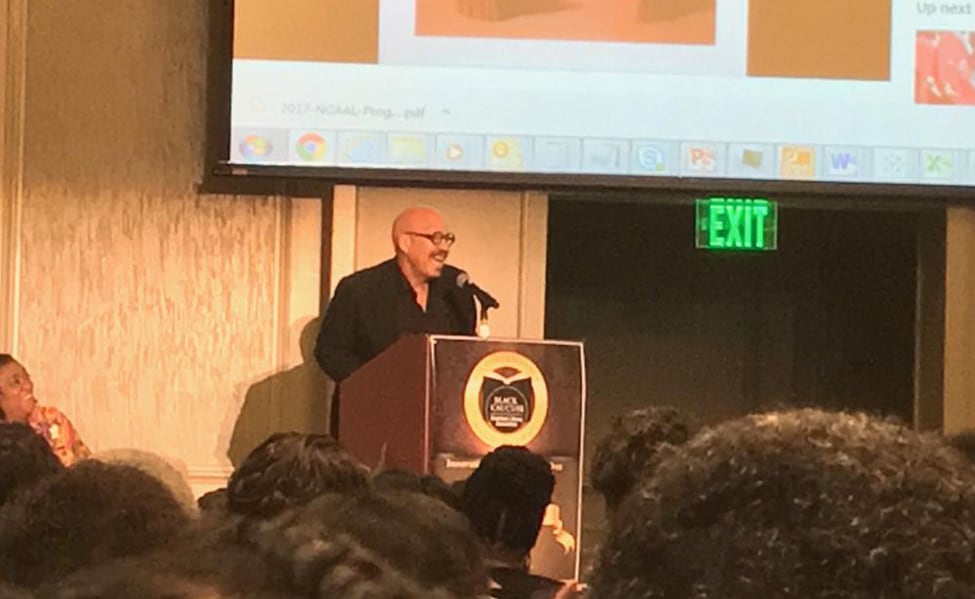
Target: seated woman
x,y
18,404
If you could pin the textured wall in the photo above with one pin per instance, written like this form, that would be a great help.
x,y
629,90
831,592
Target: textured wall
x,y
148,313
165,320
13,38
959,321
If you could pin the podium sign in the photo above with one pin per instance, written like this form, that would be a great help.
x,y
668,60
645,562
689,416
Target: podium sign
x,y
440,403
492,393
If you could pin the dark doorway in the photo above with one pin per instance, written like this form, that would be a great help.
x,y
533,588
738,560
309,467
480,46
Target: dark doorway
x,y
826,320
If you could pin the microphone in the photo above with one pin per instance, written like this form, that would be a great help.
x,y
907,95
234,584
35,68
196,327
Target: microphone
x,y
464,281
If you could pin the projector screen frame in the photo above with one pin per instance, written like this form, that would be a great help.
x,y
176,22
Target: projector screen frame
x,y
220,176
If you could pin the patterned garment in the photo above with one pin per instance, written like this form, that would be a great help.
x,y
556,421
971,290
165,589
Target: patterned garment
x,y
61,435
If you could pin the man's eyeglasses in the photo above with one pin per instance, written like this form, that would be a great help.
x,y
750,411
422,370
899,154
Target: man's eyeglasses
x,y
437,237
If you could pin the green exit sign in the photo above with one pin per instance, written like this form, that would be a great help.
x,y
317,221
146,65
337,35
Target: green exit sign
x,y
736,224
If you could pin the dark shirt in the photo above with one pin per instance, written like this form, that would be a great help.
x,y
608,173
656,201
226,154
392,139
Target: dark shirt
x,y
374,307
513,583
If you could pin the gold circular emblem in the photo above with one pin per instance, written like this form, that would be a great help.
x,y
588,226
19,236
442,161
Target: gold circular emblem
x,y
507,370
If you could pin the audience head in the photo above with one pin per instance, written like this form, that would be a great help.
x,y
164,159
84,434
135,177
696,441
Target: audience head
x,y
12,592
16,391
403,480
457,488
202,563
25,457
167,472
506,497
213,502
965,443
630,450
371,544
81,516
797,504
290,469
394,543
141,583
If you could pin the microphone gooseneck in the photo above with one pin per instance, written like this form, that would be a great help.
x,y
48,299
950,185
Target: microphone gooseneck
x,y
485,299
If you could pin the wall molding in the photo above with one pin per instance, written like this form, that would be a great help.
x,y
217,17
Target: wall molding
x,y
203,479
532,265
343,236
959,321
218,473
13,58
282,263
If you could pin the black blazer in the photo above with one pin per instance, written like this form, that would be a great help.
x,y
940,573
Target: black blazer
x,y
374,307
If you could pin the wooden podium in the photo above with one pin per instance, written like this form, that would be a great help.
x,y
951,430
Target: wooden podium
x,y
436,404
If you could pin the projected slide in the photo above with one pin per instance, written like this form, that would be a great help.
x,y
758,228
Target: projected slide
x,y
871,91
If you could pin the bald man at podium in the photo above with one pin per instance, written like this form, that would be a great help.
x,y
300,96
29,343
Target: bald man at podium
x,y
415,292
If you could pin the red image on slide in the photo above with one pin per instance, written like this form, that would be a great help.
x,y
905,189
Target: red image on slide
x,y
944,67
635,21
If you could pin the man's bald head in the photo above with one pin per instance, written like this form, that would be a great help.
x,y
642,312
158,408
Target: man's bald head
x,y
421,243
423,219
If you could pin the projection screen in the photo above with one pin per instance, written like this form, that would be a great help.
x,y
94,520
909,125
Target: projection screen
x,y
864,91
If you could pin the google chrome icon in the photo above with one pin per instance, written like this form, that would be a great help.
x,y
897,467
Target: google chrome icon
x,y
310,146
255,147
